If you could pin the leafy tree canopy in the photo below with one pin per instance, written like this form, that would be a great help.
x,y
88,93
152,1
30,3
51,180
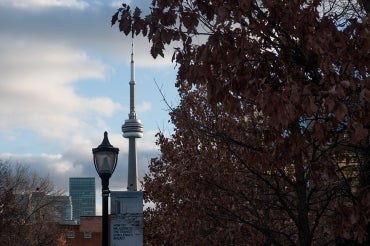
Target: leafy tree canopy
x,y
271,139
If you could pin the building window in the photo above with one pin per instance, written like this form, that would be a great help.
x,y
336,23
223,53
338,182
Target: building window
x,y
87,234
70,234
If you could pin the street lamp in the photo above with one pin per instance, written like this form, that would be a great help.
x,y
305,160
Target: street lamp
x,y
105,161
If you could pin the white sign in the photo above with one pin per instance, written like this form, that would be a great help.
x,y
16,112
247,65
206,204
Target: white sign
x,y
126,218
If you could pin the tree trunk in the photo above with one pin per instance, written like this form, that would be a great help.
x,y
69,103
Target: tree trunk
x,y
302,206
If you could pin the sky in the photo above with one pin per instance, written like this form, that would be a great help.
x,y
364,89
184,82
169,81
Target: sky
x,y
64,74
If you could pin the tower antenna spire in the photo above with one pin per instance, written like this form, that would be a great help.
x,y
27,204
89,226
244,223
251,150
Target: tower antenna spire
x,y
132,61
132,83
132,129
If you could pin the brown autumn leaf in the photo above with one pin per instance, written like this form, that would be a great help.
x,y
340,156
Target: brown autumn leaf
x,y
340,110
358,132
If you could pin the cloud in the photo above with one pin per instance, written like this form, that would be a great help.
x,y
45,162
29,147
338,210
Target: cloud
x,y
37,4
77,160
144,106
37,88
42,62
118,4
56,167
57,61
86,29
148,140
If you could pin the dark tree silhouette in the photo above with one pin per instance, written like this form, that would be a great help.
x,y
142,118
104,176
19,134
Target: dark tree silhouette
x,y
272,132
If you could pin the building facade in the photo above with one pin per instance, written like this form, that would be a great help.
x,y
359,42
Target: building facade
x,y
63,208
87,233
82,192
39,205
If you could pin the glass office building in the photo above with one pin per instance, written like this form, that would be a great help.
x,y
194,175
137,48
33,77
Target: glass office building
x,y
82,192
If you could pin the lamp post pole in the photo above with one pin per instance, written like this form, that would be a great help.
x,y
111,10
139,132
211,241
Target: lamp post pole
x,y
105,195
105,161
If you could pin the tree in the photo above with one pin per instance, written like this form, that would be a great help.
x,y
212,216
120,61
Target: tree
x,y
273,93
217,184
26,207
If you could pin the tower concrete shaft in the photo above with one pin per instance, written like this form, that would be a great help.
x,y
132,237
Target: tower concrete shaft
x,y
132,129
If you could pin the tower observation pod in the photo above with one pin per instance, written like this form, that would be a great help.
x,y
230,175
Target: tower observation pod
x,y
132,129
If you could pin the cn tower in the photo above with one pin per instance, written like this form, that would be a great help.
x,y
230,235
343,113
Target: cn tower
x,y
132,129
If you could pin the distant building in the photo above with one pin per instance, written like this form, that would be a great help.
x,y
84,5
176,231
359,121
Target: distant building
x,y
87,233
41,206
63,208
82,192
